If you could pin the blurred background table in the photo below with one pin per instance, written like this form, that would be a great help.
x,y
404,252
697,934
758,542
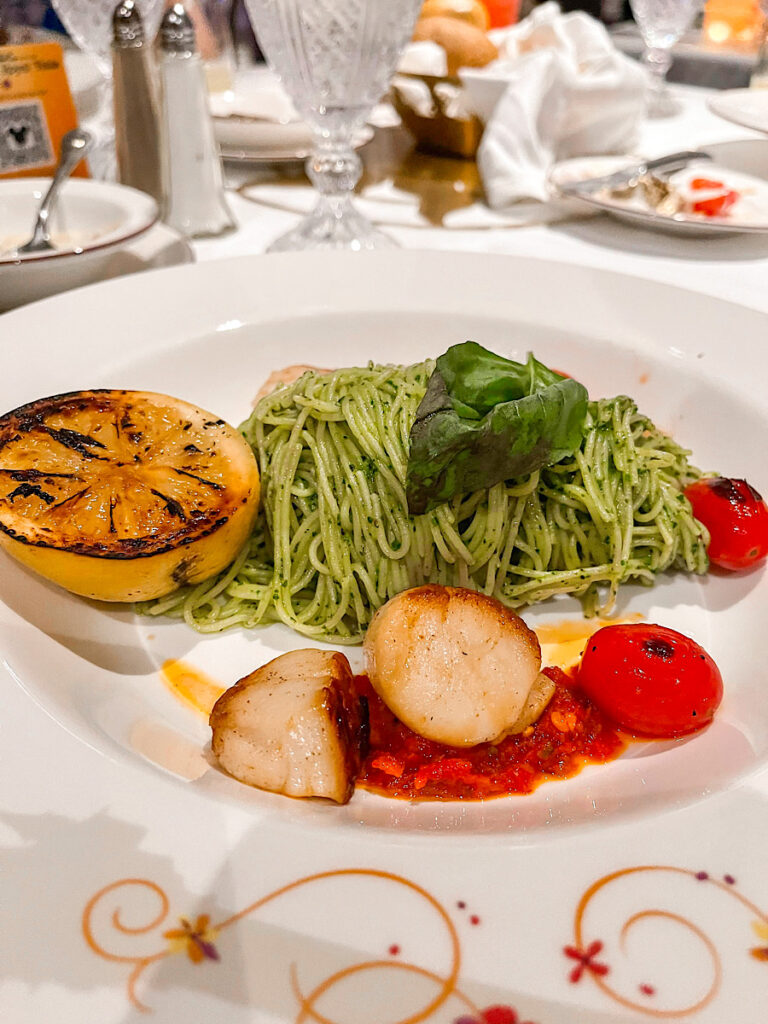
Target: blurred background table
x,y
432,202
695,59
707,56
437,202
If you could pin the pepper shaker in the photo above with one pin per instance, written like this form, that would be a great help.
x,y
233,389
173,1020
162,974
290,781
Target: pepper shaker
x,y
137,106
195,200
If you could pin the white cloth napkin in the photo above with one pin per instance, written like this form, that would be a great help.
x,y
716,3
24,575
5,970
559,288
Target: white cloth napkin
x,y
559,89
257,93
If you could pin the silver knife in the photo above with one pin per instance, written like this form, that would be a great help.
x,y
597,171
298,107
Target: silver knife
x,y
626,177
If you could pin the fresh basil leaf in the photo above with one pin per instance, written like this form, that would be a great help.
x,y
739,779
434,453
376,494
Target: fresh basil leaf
x,y
478,379
484,419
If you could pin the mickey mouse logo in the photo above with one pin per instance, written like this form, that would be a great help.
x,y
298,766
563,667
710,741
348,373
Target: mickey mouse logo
x,y
20,136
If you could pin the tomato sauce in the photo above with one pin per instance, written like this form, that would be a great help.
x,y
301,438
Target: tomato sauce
x,y
571,732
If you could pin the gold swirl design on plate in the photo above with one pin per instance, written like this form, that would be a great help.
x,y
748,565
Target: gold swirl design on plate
x,y
585,952
197,940
140,962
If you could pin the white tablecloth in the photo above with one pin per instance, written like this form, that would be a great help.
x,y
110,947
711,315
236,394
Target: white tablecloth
x,y
732,267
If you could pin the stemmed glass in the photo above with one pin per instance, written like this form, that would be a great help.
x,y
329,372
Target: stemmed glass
x,y
335,59
661,24
89,23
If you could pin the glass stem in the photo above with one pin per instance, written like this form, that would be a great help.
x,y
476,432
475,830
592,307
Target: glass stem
x,y
658,60
334,169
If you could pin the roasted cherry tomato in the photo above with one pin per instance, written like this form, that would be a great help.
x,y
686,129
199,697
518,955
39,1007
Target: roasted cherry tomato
x,y
736,517
715,206
651,680
708,183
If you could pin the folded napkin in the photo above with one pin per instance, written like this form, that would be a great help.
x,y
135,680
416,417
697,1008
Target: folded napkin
x,y
256,94
559,89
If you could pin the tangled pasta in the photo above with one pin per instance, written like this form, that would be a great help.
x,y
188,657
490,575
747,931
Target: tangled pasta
x,y
335,540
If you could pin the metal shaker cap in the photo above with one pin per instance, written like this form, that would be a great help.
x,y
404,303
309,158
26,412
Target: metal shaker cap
x,y
127,26
177,33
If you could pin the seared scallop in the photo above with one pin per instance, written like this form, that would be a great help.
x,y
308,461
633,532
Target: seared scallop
x,y
542,692
454,665
294,726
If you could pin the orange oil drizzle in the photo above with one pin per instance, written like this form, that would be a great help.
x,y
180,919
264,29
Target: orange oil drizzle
x,y
191,686
562,643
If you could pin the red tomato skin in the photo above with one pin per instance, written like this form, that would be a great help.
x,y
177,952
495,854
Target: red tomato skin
x,y
653,681
717,205
698,183
737,520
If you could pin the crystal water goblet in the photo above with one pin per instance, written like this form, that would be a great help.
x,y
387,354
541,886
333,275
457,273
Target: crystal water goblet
x,y
335,59
661,24
89,23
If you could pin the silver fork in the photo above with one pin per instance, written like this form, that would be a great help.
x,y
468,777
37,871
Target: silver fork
x,y
631,174
74,147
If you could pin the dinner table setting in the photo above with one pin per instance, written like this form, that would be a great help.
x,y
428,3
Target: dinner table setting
x,y
382,549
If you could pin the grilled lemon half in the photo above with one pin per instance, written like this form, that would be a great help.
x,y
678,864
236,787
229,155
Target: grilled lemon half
x,y
123,495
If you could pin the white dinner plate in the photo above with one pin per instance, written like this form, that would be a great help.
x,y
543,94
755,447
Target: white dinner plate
x,y
578,904
333,311
749,214
747,108
247,140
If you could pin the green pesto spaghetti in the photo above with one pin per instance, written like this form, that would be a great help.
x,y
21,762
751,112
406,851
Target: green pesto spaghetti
x,y
335,541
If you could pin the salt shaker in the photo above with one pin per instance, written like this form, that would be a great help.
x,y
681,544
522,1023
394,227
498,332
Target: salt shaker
x,y
137,106
195,201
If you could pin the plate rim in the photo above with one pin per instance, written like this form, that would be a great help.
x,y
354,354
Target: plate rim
x,y
685,224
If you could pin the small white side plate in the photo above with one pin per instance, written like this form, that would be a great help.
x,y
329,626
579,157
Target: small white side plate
x,y
89,215
749,214
92,222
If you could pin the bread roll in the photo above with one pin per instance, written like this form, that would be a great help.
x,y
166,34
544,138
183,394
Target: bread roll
x,y
472,11
465,45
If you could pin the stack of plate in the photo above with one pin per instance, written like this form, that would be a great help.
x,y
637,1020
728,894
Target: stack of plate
x,y
256,122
